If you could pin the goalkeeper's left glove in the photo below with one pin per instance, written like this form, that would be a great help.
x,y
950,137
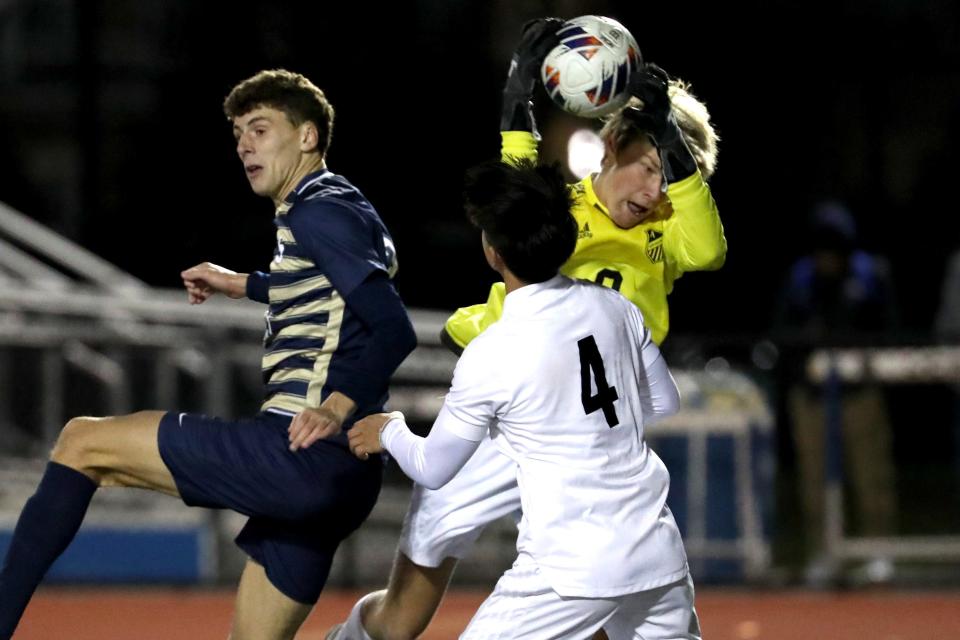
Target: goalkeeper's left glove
x,y
650,84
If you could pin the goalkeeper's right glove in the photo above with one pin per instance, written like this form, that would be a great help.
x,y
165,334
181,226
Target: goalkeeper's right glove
x,y
538,39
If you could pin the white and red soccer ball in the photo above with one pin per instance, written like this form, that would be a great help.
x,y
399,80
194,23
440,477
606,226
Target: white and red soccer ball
x,y
587,73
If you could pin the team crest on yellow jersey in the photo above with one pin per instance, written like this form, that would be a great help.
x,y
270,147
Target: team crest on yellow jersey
x,y
655,245
584,232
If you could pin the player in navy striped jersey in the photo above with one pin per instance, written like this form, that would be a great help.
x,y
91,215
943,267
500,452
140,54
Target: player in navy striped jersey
x,y
336,331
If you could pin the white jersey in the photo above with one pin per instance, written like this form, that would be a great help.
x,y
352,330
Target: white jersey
x,y
562,383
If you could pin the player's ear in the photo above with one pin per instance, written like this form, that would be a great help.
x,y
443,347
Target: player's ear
x,y
491,254
309,136
609,152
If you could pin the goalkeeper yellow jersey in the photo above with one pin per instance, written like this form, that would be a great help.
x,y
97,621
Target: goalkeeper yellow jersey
x,y
642,263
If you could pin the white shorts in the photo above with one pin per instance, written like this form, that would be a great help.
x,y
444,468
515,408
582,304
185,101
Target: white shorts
x,y
446,522
524,607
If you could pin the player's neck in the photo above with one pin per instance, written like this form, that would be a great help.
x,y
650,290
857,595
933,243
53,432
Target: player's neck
x,y
599,184
310,164
512,282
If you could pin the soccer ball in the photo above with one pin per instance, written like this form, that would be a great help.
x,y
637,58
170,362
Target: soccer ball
x,y
587,73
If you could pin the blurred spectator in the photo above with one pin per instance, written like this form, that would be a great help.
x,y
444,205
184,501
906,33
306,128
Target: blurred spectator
x,y
839,295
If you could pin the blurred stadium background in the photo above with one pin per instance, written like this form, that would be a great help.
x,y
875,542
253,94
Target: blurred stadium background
x,y
118,171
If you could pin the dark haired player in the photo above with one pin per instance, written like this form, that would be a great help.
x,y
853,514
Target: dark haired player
x,y
563,383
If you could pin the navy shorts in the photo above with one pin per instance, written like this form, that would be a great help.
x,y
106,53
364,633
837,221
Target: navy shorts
x,y
301,505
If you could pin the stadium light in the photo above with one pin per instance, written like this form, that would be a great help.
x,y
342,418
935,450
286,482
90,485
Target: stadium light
x,y
584,152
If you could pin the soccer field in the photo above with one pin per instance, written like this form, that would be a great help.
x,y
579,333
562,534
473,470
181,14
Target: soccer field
x,y
167,614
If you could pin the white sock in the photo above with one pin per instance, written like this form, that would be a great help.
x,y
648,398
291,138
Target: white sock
x,y
353,627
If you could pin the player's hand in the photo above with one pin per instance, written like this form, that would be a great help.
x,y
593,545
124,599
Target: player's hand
x,y
364,435
651,85
206,279
311,425
538,39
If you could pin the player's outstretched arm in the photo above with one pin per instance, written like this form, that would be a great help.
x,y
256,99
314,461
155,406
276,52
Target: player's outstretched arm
x,y
539,37
206,279
693,235
431,462
518,129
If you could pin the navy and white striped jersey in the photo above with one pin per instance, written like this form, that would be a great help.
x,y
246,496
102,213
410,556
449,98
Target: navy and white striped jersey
x,y
329,240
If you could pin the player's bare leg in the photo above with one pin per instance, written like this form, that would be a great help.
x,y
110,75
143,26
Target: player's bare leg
x,y
119,451
262,611
123,452
90,453
410,601
404,609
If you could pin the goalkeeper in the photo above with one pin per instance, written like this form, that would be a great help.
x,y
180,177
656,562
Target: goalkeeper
x,y
645,219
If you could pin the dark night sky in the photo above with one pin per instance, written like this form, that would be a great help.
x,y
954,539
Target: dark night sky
x,y
853,100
